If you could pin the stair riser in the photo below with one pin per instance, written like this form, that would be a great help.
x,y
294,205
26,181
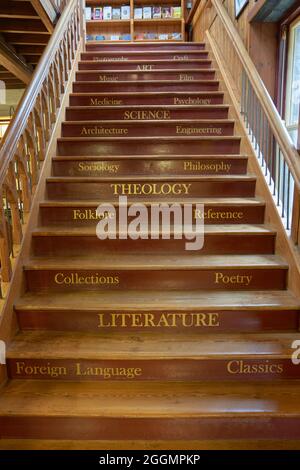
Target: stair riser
x,y
144,47
165,147
106,129
128,114
199,322
114,56
149,428
78,216
182,99
174,370
104,190
142,86
147,166
115,77
144,66
213,244
216,278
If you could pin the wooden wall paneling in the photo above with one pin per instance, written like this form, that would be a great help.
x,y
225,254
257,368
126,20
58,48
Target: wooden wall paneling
x,y
284,245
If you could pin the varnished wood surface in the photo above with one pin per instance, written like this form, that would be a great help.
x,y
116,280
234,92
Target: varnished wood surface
x,y
180,300
167,262
30,398
122,346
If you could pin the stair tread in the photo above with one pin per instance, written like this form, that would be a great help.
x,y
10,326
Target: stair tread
x,y
152,178
151,121
39,398
146,139
144,157
159,300
143,82
149,345
58,230
211,201
138,61
152,261
149,93
114,70
153,106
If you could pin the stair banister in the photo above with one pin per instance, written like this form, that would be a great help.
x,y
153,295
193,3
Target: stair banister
x,y
25,142
276,152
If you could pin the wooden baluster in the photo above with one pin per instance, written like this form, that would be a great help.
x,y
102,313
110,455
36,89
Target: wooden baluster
x,y
13,199
6,269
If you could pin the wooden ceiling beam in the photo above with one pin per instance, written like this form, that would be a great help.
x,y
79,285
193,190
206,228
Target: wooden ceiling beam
x,y
14,64
42,13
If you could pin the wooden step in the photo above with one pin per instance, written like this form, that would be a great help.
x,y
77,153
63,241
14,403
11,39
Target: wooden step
x,y
76,356
216,211
96,146
111,271
134,165
149,128
172,312
146,65
145,46
108,188
193,98
140,75
137,411
218,239
174,55
145,113
94,444
146,86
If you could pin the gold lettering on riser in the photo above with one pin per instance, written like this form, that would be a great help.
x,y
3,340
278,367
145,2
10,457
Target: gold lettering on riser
x,y
145,67
108,372
90,279
145,114
192,101
180,57
213,167
156,189
184,77
96,131
91,214
198,130
48,370
100,167
164,320
212,214
108,78
239,367
233,279
105,102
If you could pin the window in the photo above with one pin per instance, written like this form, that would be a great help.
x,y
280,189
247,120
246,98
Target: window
x,y
293,81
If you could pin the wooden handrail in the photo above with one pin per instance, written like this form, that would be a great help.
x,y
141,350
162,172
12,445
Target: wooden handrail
x,y
25,143
279,130
11,138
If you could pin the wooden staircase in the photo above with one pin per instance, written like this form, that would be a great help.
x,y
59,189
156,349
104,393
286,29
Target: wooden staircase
x,y
124,340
